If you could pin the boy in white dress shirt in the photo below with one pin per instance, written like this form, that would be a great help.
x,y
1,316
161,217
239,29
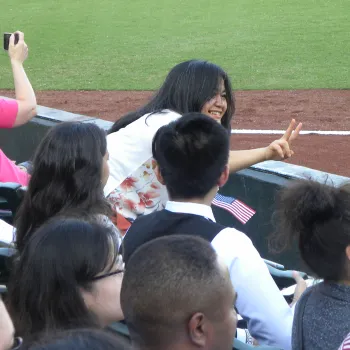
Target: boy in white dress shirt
x,y
192,155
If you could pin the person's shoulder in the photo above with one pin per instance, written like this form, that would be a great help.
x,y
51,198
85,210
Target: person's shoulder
x,y
8,112
141,228
141,220
8,103
219,227
309,292
230,233
233,243
161,118
144,127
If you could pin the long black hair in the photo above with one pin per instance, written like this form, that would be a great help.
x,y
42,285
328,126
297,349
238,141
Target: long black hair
x,y
59,260
66,177
317,217
187,87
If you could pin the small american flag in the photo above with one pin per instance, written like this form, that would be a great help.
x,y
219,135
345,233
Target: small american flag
x,y
346,344
237,208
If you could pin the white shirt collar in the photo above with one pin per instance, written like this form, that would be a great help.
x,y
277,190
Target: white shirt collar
x,y
190,208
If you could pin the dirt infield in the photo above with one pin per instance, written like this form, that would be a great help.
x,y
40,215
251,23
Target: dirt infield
x,y
327,110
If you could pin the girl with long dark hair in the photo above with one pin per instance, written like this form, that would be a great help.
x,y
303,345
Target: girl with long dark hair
x,y
68,275
69,171
191,86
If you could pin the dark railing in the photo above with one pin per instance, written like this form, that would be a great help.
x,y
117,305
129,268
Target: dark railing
x,y
256,186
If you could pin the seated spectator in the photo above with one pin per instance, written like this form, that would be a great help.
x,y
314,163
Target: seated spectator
x,y
68,276
10,172
190,86
69,172
191,155
317,217
78,339
177,294
346,343
19,111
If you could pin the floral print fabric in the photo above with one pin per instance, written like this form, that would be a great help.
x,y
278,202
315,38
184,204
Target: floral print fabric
x,y
139,194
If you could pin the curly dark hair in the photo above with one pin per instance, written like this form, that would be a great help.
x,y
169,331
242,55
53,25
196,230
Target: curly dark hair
x,y
317,217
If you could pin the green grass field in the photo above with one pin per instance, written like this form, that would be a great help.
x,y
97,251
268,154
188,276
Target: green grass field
x,y
124,44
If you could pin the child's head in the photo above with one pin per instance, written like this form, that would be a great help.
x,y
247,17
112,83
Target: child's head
x,y
192,155
317,216
191,86
69,171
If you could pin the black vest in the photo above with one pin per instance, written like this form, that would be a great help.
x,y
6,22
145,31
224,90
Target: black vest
x,y
164,223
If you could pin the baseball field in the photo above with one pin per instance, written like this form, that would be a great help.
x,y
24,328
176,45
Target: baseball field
x,y
296,53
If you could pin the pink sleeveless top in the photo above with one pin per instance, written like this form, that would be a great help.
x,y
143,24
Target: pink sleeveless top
x,y
8,113
10,172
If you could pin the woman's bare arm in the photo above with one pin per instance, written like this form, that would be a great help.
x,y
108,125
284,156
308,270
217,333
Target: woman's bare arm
x,y
25,95
278,150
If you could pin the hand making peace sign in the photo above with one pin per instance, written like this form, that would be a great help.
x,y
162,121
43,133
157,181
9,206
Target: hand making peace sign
x,y
281,149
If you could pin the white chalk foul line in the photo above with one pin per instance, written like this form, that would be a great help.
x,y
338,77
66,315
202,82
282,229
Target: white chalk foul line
x,y
281,132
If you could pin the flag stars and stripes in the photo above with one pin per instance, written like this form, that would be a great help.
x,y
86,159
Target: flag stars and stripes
x,y
234,206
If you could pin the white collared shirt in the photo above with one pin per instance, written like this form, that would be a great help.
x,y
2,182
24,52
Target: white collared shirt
x,y
130,147
259,300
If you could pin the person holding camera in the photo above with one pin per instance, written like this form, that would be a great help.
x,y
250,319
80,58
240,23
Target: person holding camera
x,y
16,112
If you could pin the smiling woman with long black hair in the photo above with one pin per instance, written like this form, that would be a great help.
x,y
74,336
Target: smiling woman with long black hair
x,y
191,86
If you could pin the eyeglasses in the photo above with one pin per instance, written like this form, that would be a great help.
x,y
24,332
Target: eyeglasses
x,y
17,343
105,275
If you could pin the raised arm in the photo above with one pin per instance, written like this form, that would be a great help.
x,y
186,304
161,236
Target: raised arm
x,y
278,150
24,92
